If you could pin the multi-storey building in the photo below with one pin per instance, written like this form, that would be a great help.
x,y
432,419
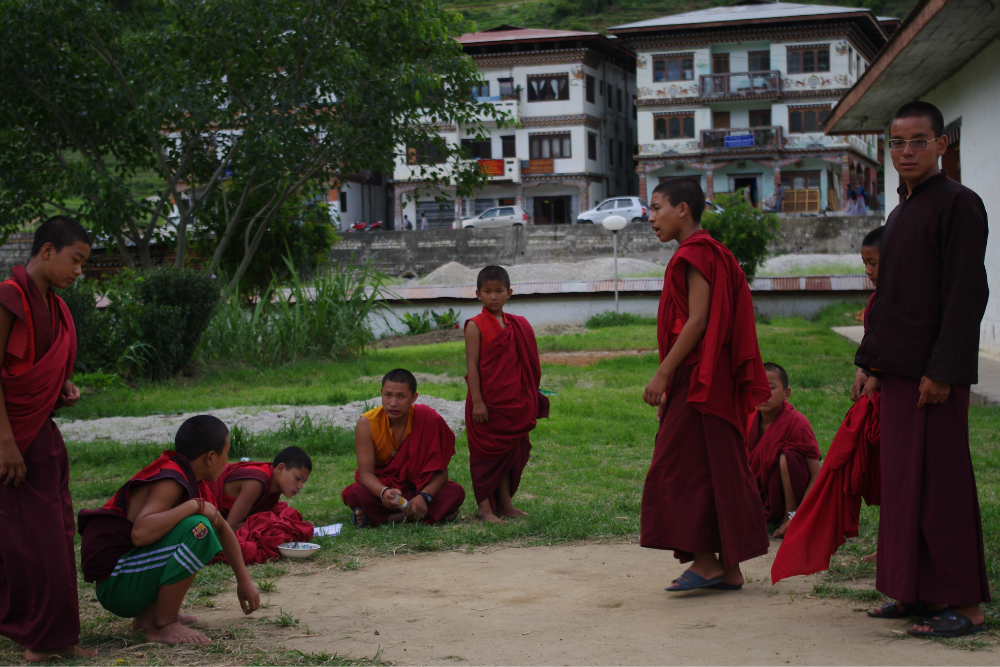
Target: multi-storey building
x,y
571,97
736,96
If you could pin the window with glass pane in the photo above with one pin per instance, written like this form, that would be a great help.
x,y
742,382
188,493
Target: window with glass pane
x,y
509,146
548,88
760,61
506,87
611,151
823,60
607,206
591,146
808,61
479,150
659,69
481,90
590,89
550,146
660,128
688,126
678,68
611,93
807,119
794,62
760,118
619,98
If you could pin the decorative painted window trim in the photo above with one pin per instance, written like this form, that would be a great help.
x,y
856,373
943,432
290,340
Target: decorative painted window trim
x,y
806,47
681,54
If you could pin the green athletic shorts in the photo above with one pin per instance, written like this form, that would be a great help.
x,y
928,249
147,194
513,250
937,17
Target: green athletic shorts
x,y
135,583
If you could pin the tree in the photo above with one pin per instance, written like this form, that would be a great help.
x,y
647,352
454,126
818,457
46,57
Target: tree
x,y
745,230
273,96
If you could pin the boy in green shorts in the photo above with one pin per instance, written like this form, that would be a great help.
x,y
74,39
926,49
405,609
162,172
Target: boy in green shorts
x,y
145,545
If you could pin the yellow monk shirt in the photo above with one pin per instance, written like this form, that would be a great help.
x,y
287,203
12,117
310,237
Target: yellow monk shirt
x,y
382,435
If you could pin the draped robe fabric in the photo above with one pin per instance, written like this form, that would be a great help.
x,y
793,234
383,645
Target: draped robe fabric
x,y
509,377
699,495
39,607
107,533
269,522
425,452
790,434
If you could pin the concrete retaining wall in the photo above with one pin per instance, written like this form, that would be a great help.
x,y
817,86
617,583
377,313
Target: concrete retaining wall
x,y
419,252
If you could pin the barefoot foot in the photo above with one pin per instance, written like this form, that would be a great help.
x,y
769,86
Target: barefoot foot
x,y
175,633
70,652
511,511
780,531
490,517
870,558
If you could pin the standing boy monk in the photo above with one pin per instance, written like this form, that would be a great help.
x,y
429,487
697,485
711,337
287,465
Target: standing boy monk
x,y
247,495
145,545
38,598
700,498
923,340
784,454
830,514
403,453
503,403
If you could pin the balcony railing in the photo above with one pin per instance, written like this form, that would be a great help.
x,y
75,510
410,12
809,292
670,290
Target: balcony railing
x,y
763,137
741,84
508,104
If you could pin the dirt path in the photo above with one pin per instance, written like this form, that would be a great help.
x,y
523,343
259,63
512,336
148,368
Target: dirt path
x,y
582,604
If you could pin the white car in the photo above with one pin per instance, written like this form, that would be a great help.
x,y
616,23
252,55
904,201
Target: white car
x,y
500,216
632,209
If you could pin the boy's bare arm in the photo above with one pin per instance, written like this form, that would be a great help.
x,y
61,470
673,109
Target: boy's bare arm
x,y
814,466
12,468
250,492
699,298
473,338
161,509
365,446
246,590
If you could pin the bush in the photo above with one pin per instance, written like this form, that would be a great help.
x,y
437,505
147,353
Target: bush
x,y
610,318
746,231
446,320
329,319
417,323
151,325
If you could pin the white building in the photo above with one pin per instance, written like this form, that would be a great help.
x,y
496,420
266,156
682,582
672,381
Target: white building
x,y
572,95
359,198
736,96
945,53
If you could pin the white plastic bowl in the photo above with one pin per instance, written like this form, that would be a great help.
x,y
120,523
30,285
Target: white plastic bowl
x,y
298,549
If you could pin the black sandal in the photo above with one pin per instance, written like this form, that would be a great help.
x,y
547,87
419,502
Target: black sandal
x,y
890,610
948,623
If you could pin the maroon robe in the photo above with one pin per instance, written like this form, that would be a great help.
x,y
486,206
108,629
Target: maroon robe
x,y
38,596
509,376
929,302
699,495
425,452
790,434
269,522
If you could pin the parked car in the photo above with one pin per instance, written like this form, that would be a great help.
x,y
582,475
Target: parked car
x,y
632,209
500,216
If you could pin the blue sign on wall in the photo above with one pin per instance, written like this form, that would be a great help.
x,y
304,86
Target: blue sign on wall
x,y
739,141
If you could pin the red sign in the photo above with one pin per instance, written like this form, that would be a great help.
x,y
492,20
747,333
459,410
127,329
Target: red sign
x,y
491,167
537,167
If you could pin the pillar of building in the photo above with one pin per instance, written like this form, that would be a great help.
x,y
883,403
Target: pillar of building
x,y
519,194
584,204
398,213
845,179
459,209
709,185
642,184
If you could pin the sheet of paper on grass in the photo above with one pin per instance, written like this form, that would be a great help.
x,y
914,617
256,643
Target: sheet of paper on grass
x,y
332,530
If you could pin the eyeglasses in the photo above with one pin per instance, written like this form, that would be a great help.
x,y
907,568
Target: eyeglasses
x,y
915,144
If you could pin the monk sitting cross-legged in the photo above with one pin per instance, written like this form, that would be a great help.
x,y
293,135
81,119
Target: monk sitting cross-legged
x,y
503,403
700,499
403,455
248,494
784,454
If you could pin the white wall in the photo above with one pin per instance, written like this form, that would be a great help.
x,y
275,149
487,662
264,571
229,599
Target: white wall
x,y
973,94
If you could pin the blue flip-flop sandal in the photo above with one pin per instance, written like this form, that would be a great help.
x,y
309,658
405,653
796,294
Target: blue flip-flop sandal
x,y
690,581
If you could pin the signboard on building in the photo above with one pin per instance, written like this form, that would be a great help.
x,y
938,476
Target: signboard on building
x,y
739,141
537,166
491,167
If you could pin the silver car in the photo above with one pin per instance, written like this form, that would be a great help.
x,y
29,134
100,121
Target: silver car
x,y
500,216
632,209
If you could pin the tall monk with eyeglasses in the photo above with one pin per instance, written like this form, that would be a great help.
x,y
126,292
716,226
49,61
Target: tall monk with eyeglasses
x,y
922,343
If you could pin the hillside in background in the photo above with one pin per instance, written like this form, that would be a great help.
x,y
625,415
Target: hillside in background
x,y
596,15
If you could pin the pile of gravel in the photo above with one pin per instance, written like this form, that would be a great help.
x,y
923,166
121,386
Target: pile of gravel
x,y
781,265
454,273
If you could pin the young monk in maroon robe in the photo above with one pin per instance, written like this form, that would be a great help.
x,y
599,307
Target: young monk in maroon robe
x,y
700,499
503,403
403,455
145,546
852,471
38,598
247,494
784,454
923,342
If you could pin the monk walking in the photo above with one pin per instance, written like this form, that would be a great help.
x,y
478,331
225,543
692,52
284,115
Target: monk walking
x,y
700,499
923,341
503,404
39,608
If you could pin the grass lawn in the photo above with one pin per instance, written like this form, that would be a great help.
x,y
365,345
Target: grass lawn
x,y
584,480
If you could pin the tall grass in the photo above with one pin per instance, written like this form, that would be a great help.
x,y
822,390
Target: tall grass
x,y
328,319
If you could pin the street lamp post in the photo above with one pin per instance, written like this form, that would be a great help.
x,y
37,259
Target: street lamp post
x,y
614,224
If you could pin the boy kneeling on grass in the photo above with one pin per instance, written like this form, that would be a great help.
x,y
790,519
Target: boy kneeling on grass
x,y
145,545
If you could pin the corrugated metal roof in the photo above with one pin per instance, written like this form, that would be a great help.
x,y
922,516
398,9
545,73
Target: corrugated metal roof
x,y
633,285
519,34
736,13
